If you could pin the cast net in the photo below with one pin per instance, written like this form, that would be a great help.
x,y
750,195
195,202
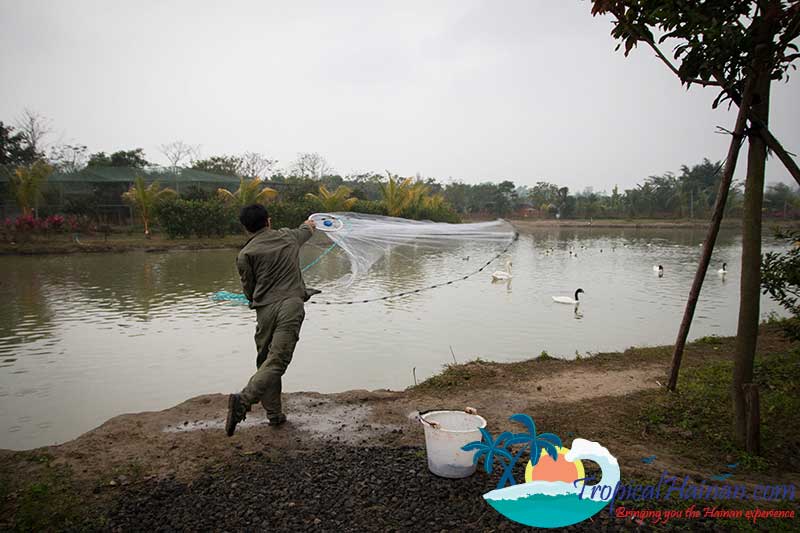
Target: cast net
x,y
357,257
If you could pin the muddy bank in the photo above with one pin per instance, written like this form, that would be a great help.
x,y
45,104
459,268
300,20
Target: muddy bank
x,y
177,469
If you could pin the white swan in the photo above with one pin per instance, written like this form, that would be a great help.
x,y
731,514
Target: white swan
x,y
502,275
722,271
567,299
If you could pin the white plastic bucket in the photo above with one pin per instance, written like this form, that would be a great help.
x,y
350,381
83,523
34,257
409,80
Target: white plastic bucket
x,y
445,433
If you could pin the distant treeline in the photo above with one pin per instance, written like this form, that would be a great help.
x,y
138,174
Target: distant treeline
x,y
689,194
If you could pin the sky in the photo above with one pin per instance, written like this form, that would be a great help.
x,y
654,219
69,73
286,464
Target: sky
x,y
469,90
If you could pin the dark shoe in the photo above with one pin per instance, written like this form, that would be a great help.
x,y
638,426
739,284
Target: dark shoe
x,y
236,413
276,421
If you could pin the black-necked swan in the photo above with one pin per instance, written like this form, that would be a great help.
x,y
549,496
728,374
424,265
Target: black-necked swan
x,y
722,271
659,269
567,299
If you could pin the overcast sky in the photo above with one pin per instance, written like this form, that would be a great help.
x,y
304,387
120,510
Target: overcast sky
x,y
475,90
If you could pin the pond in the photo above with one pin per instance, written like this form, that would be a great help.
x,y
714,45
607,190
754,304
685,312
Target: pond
x,y
87,337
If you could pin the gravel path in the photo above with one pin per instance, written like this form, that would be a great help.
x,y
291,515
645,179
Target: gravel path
x,y
331,489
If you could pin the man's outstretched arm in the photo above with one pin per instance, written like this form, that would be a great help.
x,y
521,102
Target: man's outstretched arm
x,y
304,232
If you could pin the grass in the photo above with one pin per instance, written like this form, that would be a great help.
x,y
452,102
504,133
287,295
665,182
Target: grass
x,y
701,410
455,376
710,340
49,501
544,356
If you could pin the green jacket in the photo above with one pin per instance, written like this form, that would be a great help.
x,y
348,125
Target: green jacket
x,y
269,265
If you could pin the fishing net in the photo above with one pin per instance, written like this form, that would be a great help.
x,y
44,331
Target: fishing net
x,y
357,257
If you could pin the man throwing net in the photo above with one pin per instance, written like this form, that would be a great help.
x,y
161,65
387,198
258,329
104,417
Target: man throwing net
x,y
269,267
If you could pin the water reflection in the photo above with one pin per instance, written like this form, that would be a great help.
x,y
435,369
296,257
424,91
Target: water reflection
x,y
25,316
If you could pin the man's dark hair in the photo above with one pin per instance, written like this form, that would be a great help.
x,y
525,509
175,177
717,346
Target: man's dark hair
x,y
253,217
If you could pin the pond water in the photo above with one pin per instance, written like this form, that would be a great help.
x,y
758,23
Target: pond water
x,y
87,337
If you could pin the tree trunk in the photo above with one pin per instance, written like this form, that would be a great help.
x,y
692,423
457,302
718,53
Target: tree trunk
x,y
711,235
750,287
753,444
146,224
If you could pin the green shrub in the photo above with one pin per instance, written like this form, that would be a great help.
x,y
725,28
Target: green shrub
x,y
202,218
370,207
780,278
292,214
441,213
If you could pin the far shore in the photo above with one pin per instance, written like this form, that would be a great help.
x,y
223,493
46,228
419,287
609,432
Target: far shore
x,y
531,223
124,240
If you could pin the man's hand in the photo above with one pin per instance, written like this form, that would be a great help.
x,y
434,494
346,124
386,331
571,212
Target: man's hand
x,y
310,223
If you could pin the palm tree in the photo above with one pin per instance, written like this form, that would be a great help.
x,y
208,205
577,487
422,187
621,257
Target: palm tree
x,y
144,199
417,195
395,194
436,201
250,192
27,183
490,448
332,202
548,442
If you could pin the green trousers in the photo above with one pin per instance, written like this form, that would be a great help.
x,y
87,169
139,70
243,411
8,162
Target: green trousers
x,y
277,332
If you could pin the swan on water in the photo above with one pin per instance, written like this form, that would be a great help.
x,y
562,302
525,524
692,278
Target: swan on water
x,y
502,275
567,299
659,269
722,271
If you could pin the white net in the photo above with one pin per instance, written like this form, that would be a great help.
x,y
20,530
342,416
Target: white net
x,y
378,247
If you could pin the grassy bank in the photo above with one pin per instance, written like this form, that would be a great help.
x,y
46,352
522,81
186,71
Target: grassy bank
x,y
613,398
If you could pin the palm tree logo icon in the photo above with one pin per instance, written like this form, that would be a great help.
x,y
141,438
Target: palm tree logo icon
x,y
552,494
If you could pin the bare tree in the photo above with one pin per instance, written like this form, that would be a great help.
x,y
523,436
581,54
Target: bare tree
x,y
69,158
255,165
34,127
177,152
310,165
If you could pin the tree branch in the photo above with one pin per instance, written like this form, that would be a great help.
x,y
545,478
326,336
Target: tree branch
x,y
622,20
771,141
763,131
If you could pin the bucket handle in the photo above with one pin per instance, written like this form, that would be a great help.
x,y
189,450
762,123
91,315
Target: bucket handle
x,y
435,425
